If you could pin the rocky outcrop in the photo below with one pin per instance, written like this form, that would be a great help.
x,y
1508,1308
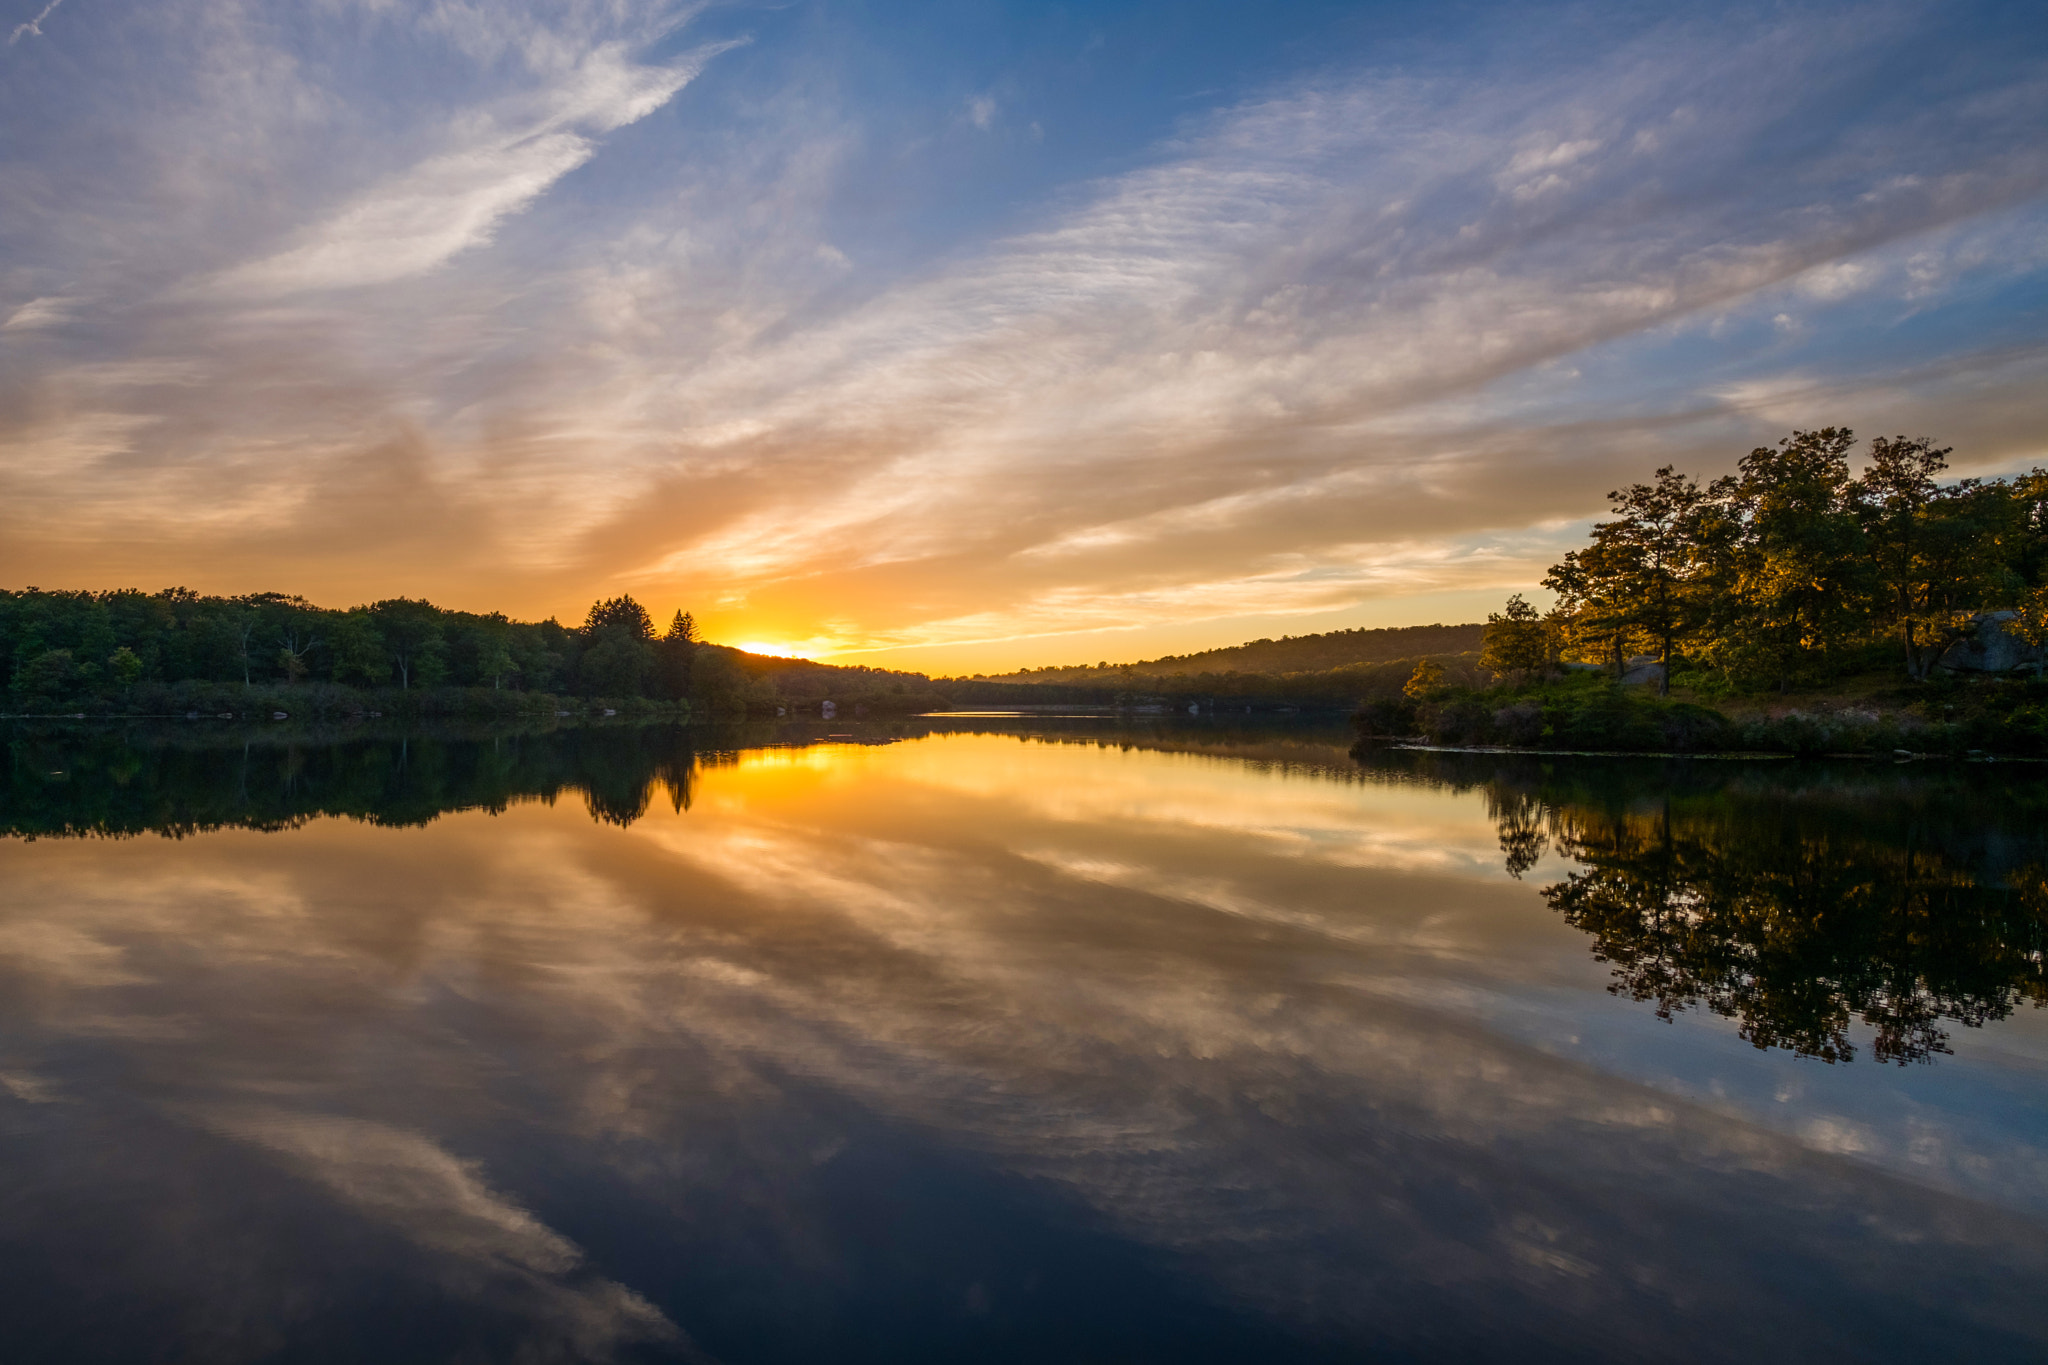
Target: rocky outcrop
x,y
1643,671
1990,648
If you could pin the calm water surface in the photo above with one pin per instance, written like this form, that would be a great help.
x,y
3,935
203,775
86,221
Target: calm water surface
x,y
1037,1041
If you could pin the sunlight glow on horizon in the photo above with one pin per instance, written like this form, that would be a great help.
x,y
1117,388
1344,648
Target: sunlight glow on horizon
x,y
872,336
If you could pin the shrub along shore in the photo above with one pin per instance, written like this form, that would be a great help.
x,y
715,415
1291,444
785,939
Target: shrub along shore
x,y
2007,718
195,700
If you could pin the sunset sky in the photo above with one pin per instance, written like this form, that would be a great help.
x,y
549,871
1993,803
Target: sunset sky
x,y
966,335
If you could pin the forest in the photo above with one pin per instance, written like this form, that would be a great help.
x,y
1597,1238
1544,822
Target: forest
x,y
1288,656
177,651
1792,607
1793,571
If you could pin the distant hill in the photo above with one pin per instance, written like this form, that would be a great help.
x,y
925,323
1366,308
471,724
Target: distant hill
x,y
1288,654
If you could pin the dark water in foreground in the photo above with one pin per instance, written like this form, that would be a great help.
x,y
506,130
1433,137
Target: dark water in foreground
x,y
1057,1041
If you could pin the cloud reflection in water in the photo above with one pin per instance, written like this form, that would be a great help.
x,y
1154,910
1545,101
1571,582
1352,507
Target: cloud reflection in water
x,y
899,1044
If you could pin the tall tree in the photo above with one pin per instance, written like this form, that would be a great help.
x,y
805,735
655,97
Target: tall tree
x,y
356,647
234,626
1892,500
677,655
618,648
412,638
619,613
494,659
1798,567
1515,643
1647,556
1425,682
1590,620
294,621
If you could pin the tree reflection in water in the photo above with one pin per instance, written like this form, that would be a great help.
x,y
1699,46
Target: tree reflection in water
x,y
1793,899
113,782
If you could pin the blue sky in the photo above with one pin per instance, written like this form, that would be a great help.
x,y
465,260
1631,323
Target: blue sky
x,y
964,336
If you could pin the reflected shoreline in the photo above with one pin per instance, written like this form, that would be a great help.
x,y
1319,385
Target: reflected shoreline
x,y
1794,897
115,780
1007,1041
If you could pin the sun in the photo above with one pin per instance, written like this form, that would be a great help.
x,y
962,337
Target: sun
x,y
765,647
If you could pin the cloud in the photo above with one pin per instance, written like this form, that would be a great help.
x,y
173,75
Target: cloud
x,y
34,27
1084,968
1220,341
409,226
492,1248
43,312
1356,335
1835,280
454,202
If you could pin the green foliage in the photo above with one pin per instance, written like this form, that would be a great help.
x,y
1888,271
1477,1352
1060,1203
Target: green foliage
x,y
1517,642
48,679
1588,712
414,640
1425,682
1332,687
1291,655
2030,622
616,664
619,615
176,651
356,649
1790,570
718,684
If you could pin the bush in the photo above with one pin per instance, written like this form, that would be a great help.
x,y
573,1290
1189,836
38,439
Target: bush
x,y
1580,712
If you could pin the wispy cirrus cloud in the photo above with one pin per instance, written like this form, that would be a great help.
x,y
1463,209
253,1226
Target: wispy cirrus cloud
x,y
1283,341
32,28
1344,336
418,221
41,312
454,201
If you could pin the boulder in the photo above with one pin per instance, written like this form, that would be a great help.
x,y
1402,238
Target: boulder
x,y
1642,671
1990,648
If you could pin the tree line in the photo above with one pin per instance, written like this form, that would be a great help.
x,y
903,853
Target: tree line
x,y
134,650
166,652
1792,569
63,645
1290,655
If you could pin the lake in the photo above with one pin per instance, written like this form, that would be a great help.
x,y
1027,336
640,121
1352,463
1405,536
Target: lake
x,y
1011,1039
